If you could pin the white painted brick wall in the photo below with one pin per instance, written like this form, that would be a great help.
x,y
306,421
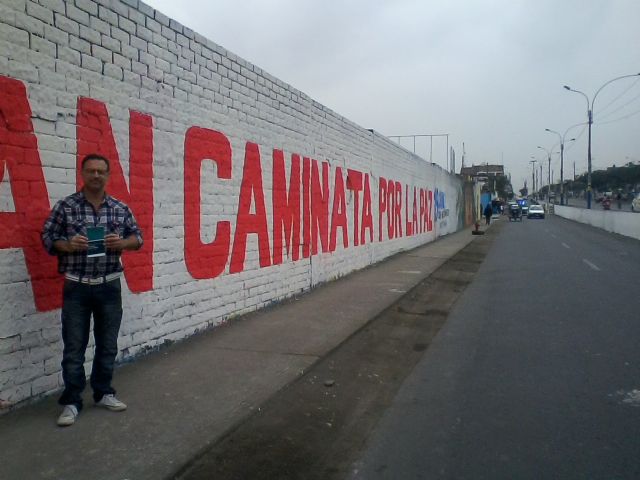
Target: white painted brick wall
x,y
129,56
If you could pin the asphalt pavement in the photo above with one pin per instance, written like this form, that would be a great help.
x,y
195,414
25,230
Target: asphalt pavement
x,y
535,374
184,398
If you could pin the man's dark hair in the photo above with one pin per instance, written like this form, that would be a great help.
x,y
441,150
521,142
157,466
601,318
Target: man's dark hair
x,y
95,156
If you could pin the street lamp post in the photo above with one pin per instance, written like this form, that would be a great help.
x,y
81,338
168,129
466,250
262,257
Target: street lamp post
x,y
590,119
533,176
561,137
540,179
549,177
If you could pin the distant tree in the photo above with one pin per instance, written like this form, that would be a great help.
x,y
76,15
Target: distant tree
x,y
577,185
501,186
613,177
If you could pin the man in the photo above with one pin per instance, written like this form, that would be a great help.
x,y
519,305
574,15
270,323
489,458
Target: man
x,y
488,212
92,283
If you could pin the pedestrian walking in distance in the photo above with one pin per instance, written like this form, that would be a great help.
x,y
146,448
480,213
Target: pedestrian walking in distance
x,y
88,232
488,211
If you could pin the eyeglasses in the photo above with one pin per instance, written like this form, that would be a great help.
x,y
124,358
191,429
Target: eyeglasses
x,y
95,171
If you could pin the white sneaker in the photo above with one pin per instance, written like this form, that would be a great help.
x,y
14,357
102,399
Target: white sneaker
x,y
68,416
110,402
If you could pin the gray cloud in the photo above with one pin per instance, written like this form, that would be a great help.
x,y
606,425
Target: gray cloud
x,y
489,73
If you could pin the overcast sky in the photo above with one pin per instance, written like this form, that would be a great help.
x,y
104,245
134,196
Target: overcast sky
x,y
489,73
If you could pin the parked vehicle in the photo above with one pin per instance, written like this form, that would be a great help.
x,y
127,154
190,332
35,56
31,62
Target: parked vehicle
x,y
535,211
635,204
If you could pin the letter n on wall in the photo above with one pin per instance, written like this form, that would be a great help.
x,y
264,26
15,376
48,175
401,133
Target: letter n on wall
x,y
94,135
19,157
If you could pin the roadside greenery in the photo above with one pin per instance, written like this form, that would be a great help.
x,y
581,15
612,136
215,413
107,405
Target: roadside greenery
x,y
625,178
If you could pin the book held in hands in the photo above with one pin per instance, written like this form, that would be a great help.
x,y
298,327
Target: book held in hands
x,y
96,242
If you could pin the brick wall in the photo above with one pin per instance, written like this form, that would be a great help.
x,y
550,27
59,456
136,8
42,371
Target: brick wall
x,y
210,151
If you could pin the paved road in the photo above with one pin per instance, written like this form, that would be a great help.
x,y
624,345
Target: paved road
x,y
536,373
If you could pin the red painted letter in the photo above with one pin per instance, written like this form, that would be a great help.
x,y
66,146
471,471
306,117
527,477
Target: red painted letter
x,y
354,183
306,207
382,204
398,210
429,209
423,218
94,135
406,212
319,207
21,229
367,215
247,222
338,213
414,218
286,211
204,260
391,209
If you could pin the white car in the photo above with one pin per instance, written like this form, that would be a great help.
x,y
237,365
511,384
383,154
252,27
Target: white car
x,y
635,204
535,211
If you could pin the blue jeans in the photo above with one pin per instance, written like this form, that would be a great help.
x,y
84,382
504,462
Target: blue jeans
x,y
80,300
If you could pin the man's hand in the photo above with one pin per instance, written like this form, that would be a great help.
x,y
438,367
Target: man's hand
x,y
113,242
78,243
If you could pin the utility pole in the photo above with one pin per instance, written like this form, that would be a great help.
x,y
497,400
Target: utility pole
x,y
463,155
549,189
562,173
549,174
453,160
561,137
533,176
590,120
540,177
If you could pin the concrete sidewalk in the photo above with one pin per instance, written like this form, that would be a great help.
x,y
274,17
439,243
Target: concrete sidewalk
x,y
185,397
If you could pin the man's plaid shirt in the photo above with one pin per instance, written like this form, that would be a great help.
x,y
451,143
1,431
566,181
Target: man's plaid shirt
x,y
71,216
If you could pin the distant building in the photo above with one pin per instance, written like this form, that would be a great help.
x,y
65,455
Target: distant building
x,y
486,176
482,172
